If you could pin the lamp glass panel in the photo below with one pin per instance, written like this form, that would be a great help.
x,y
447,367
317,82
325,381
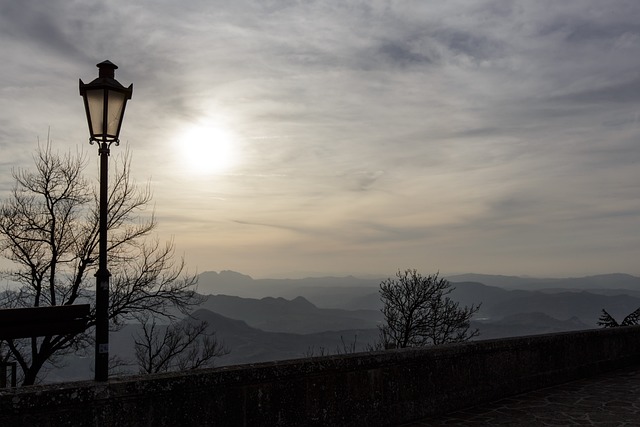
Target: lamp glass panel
x,y
95,102
115,106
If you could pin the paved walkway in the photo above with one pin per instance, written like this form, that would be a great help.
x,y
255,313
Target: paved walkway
x,y
611,399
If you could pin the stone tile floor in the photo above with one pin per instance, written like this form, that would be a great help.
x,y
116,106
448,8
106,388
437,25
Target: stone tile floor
x,y
610,399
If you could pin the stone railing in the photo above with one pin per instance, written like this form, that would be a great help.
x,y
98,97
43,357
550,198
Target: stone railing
x,y
366,389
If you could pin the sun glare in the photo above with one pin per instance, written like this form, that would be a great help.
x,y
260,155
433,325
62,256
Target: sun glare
x,y
207,149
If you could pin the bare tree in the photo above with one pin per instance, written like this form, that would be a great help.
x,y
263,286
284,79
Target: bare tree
x,y
176,347
418,311
347,347
312,351
49,230
607,321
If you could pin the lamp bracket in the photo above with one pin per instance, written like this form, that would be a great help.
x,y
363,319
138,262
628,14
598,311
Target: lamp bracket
x,y
113,141
104,146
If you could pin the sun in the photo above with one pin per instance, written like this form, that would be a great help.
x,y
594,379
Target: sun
x,y
207,149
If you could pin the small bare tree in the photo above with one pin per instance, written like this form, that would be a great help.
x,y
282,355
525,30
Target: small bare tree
x,y
175,347
347,347
418,312
49,231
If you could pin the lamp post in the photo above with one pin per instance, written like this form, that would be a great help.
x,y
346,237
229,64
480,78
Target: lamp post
x,y
104,101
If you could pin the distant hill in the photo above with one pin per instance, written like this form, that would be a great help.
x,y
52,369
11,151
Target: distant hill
x,y
251,345
499,303
258,324
233,283
227,282
344,297
500,296
527,324
247,345
467,293
296,316
584,305
603,281
609,292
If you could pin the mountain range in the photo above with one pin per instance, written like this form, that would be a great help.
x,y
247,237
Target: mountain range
x,y
499,296
296,316
274,319
616,281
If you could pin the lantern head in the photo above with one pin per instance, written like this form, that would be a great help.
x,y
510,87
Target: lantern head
x,y
105,100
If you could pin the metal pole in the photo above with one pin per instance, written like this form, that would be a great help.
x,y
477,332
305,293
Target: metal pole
x,y
14,373
3,374
102,276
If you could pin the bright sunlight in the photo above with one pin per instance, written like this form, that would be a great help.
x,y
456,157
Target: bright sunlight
x,y
207,149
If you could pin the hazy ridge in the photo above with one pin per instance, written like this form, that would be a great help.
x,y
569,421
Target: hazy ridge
x,y
275,319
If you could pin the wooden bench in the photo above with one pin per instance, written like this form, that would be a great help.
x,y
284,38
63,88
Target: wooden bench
x,y
43,321
39,322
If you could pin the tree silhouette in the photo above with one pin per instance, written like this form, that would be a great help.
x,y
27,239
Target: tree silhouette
x,y
607,321
181,346
49,231
418,311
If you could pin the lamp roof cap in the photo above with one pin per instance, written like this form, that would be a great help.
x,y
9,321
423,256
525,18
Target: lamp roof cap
x,y
106,69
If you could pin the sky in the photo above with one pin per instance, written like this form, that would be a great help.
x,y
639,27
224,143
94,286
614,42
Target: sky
x,y
296,138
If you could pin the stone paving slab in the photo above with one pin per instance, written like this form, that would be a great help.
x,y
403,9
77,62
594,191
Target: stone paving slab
x,y
610,399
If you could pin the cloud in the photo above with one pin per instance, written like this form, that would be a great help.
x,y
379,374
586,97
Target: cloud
x,y
400,54
469,127
619,93
42,25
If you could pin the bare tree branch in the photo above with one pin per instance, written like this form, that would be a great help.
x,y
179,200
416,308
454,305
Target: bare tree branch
x,y
418,312
49,231
175,347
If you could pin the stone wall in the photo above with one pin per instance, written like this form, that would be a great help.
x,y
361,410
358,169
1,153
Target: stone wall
x,y
366,389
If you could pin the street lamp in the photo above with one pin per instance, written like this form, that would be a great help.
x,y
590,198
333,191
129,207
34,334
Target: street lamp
x,y
104,101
